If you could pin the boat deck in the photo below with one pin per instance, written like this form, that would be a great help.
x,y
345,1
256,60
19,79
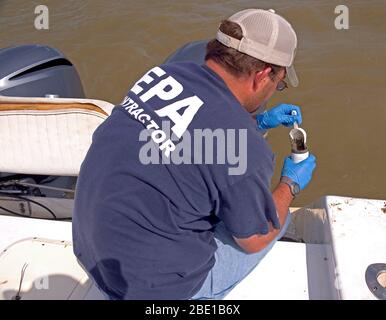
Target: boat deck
x,y
338,238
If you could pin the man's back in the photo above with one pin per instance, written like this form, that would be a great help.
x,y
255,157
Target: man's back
x,y
145,230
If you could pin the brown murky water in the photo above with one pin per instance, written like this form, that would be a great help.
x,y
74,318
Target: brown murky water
x,y
343,73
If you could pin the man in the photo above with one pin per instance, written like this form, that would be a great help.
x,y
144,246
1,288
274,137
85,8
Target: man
x,y
191,231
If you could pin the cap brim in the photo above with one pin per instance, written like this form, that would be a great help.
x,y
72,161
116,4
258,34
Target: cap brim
x,y
292,77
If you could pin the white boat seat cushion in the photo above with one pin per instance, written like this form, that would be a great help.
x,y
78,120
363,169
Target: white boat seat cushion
x,y
48,136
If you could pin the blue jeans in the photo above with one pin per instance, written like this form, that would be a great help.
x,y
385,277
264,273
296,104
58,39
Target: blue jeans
x,y
232,264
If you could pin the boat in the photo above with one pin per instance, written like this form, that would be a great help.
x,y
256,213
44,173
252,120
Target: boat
x,y
334,248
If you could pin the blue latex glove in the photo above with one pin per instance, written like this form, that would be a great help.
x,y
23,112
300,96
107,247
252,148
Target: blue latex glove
x,y
301,172
278,115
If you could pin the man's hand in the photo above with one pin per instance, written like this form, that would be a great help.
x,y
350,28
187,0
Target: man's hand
x,y
279,115
301,172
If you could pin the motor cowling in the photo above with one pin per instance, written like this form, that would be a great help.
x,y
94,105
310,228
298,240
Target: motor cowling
x,y
38,71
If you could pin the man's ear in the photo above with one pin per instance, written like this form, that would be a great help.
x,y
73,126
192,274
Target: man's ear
x,y
260,76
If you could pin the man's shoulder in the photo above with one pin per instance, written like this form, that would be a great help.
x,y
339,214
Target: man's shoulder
x,y
261,152
181,64
182,67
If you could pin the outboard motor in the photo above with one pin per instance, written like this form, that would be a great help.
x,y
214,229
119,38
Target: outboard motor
x,y
38,71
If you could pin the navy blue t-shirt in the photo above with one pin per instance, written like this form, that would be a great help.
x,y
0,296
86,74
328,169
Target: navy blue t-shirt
x,y
146,208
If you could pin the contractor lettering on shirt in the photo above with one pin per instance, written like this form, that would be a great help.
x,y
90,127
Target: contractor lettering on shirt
x,y
180,113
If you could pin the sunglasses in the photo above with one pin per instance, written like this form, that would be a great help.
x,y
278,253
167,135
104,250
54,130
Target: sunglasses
x,y
281,85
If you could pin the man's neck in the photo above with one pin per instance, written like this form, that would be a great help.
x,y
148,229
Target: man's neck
x,y
235,85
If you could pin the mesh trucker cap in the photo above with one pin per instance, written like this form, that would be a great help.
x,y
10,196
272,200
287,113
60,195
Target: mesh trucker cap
x,y
267,37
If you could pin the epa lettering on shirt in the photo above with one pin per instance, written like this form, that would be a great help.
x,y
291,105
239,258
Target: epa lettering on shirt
x,y
166,90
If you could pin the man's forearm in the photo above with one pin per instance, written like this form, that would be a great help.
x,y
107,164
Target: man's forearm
x,y
282,197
